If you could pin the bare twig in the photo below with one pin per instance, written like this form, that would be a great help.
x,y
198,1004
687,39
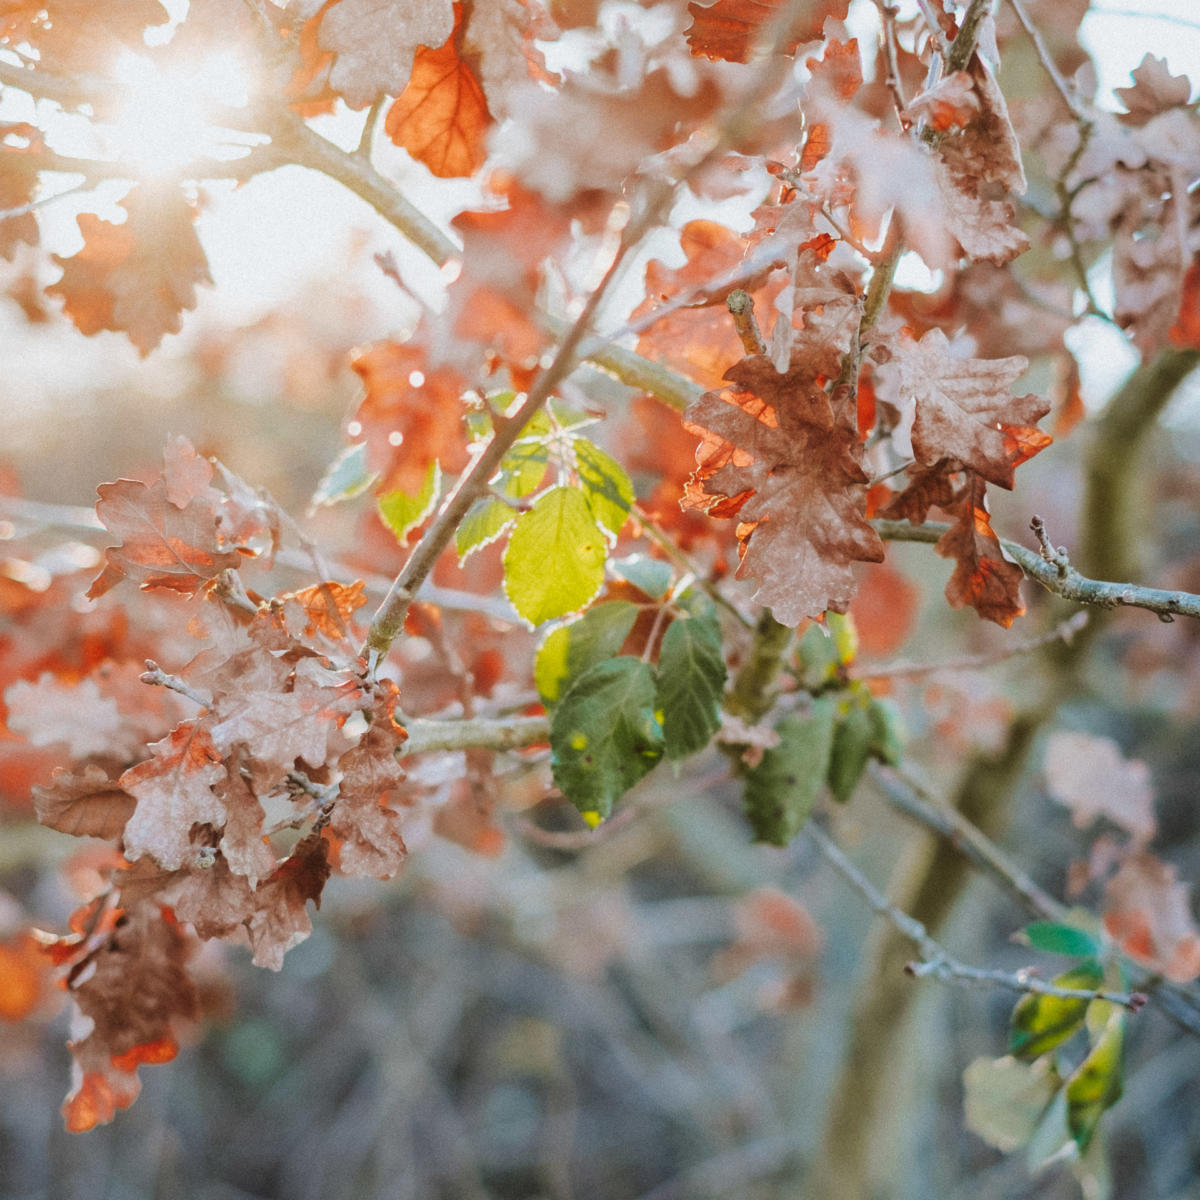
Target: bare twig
x,y
1052,72
741,309
1062,632
491,733
157,677
935,960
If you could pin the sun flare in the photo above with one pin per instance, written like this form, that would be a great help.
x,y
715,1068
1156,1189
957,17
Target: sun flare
x,y
170,116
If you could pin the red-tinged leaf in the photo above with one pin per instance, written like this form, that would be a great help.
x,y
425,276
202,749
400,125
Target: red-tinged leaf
x,y
732,29
213,899
174,791
329,606
958,407
134,990
1185,333
1154,91
809,485
300,720
1094,779
135,278
838,71
23,977
243,844
951,103
280,920
927,487
162,546
375,41
18,179
884,611
411,414
85,803
978,167
1148,914
187,475
441,118
983,578
369,830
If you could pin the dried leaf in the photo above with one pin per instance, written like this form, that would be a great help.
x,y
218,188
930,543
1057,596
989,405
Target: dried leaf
x,y
1154,91
280,919
135,278
1148,914
1094,779
732,29
86,803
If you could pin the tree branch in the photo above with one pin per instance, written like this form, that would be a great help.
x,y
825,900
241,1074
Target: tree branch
x,y
935,960
1059,577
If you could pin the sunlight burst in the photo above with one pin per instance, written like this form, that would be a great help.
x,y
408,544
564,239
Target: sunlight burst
x,y
170,117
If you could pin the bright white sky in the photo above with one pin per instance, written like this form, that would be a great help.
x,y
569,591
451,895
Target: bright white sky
x,y
266,239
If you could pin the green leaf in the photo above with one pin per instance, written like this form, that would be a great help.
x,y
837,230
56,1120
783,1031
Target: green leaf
x,y
605,484
691,678
568,650
605,735
1039,1023
844,635
1055,938
523,468
1004,1099
554,561
485,521
649,575
346,477
852,745
887,737
402,513
782,789
817,656
1097,1082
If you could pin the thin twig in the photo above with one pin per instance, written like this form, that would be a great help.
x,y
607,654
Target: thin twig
x,y
1062,581
1062,632
935,960
1052,72
157,677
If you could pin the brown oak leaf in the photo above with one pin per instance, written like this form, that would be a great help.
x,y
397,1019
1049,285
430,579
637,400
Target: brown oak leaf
x,y
18,179
804,472
959,408
86,802
983,578
134,989
279,919
1093,778
162,545
732,29
369,830
375,42
1154,90
1148,914
174,790
138,277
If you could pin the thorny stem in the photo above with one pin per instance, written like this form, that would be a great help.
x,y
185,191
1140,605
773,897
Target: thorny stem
x,y
936,961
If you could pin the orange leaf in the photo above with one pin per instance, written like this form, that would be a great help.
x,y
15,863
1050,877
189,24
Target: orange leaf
x,y
730,29
442,116
22,976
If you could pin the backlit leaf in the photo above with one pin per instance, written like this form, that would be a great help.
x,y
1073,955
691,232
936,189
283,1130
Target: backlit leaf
x,y
554,561
402,512
485,521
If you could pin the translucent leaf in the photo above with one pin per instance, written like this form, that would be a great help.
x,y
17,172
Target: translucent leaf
x,y
346,477
1004,1099
1039,1023
887,740
650,575
1097,1082
402,513
691,678
605,484
485,521
782,789
554,562
605,734
569,650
